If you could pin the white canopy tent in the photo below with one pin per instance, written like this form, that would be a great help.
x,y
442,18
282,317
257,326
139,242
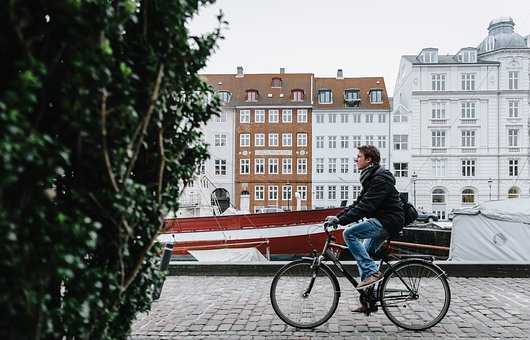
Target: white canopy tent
x,y
492,232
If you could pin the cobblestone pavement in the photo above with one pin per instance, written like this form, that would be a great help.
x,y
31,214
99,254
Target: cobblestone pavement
x,y
213,307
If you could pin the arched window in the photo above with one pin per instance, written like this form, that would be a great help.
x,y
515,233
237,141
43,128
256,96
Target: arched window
x,y
513,192
438,196
468,196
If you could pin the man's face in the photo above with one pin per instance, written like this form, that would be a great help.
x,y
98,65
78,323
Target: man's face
x,y
362,162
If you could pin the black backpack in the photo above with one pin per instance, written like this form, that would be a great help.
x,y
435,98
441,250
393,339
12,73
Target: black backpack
x,y
411,214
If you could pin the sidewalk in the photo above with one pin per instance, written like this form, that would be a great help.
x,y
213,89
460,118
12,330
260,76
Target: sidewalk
x,y
229,307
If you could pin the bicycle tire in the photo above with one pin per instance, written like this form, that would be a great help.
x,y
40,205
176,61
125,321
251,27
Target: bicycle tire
x,y
394,295
293,279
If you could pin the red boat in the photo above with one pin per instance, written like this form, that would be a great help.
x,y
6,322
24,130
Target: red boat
x,y
280,234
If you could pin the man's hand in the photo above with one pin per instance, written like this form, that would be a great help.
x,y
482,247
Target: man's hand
x,y
332,220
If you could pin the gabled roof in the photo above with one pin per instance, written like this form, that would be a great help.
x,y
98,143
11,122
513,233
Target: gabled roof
x,y
338,86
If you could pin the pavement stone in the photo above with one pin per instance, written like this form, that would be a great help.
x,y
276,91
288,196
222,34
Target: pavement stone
x,y
214,307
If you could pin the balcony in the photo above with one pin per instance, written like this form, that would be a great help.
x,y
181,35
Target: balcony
x,y
439,150
468,121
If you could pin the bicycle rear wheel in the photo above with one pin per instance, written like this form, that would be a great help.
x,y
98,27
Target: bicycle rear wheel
x,y
416,295
304,297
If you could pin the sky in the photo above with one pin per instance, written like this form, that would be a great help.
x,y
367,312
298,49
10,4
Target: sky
x,y
364,38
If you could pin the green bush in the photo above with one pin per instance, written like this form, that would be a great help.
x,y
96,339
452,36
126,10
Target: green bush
x,y
100,105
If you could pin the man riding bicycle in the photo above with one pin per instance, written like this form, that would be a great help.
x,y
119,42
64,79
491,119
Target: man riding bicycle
x,y
380,204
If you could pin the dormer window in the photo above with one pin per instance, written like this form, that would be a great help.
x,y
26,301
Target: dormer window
x,y
430,56
276,82
224,96
376,96
252,96
297,95
325,96
352,97
490,44
468,56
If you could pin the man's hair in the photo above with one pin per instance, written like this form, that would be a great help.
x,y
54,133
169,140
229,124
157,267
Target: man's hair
x,y
370,151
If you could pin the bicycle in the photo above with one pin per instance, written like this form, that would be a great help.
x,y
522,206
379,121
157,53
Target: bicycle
x,y
414,293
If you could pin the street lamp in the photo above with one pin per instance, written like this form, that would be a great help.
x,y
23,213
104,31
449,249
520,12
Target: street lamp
x,y
490,180
414,178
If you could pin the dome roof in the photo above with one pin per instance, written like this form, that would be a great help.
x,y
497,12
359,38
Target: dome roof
x,y
501,35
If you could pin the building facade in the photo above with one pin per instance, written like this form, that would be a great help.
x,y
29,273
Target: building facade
x,y
468,121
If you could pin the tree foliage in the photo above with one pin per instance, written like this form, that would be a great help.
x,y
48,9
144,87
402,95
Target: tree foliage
x,y
100,105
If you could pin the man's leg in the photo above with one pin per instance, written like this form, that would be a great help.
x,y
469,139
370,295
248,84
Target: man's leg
x,y
373,243
371,228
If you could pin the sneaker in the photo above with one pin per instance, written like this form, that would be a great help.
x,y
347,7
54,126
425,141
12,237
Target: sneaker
x,y
364,309
370,280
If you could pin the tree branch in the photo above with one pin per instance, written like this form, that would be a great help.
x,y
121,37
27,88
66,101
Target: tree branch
x,y
108,165
162,163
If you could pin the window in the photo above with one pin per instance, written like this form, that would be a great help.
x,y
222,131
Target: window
x,y
344,141
468,167
344,169
438,196
344,117
468,82
468,138
259,166
352,95
369,140
276,82
320,118
244,140
356,117
273,139
220,140
332,165
301,166
356,141
301,139
513,137
438,82
220,167
274,116
244,166
381,142
438,138
259,116
319,192
513,192
319,142
382,118
325,97
468,56
224,96
287,116
438,110
513,108
287,166
356,191
332,142
369,117
244,116
490,44
221,118
400,117
438,167
430,57
513,80
513,167
297,95
259,192
287,139
273,192
355,169
332,118
332,192
376,96
273,166
344,191
259,139
401,169
469,110
301,116
252,96
319,165
286,192
401,142
468,196
302,191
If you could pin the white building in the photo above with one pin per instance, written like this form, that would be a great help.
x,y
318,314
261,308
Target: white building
x,y
347,112
468,117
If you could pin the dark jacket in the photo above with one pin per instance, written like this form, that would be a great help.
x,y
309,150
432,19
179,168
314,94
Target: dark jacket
x,y
378,198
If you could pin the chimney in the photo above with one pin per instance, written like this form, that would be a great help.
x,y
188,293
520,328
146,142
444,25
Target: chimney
x,y
239,72
340,75
282,70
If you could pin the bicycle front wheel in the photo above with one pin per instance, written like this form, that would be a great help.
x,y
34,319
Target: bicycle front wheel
x,y
415,295
304,297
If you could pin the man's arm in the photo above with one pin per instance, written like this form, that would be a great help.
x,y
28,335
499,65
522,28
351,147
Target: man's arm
x,y
368,205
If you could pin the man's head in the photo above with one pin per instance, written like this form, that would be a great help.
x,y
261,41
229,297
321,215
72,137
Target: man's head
x,y
368,154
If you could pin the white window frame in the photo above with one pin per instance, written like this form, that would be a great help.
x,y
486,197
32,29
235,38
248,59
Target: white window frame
x,y
244,116
273,166
513,80
287,166
274,116
513,137
259,139
220,167
301,139
244,166
344,192
438,110
513,108
344,142
302,191
287,116
259,166
259,192
513,167
401,169
400,142
468,110
344,165
439,167
273,192
469,138
332,192
438,81
376,96
332,165
319,165
273,139
319,118
325,94
319,192
438,138
319,142
301,166
244,140
469,167
332,142
301,115
259,116
468,81
220,139
287,139
287,192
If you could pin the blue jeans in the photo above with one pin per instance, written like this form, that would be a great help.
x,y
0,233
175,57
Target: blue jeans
x,y
374,234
